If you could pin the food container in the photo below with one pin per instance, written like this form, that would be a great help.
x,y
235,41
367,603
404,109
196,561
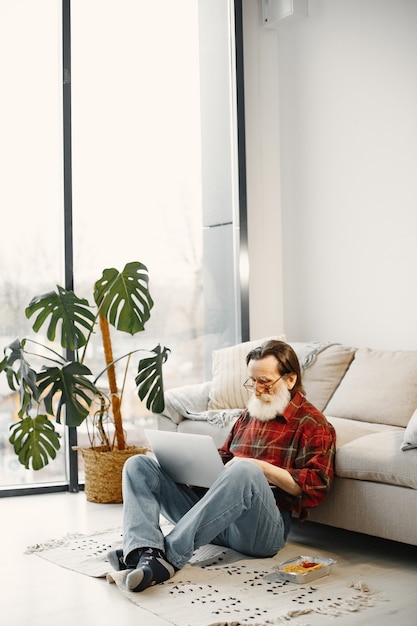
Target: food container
x,y
303,569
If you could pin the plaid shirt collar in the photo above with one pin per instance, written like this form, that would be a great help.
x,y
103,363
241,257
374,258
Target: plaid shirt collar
x,y
295,403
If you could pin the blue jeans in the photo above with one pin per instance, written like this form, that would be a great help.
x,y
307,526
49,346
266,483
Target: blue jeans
x,y
238,511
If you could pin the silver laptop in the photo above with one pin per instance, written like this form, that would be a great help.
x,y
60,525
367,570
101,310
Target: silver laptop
x,y
186,457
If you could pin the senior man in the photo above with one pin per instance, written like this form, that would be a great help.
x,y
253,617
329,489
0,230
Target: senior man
x,y
279,458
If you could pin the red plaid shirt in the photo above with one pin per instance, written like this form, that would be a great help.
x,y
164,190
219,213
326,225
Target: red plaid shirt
x,y
301,441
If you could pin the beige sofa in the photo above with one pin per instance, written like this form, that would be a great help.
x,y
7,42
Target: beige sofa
x,y
370,397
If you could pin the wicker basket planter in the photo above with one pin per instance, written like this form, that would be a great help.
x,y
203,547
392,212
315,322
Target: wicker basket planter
x,y
103,472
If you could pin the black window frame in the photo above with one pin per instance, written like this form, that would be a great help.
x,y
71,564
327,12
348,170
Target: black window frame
x,y
73,485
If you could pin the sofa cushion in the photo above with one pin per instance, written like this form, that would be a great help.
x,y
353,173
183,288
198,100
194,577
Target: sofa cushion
x,y
218,434
410,435
378,387
322,377
188,398
349,430
378,458
229,374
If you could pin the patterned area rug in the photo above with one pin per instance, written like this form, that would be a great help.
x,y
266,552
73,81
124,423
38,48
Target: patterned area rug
x,y
222,587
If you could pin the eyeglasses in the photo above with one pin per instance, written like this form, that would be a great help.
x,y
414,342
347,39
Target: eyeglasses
x,y
251,385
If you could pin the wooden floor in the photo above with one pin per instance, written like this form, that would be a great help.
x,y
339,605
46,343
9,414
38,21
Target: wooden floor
x,y
39,593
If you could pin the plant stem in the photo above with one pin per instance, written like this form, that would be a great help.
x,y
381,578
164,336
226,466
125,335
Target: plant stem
x,y
99,424
111,375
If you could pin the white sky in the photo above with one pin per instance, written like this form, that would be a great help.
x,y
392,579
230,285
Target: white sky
x,y
136,141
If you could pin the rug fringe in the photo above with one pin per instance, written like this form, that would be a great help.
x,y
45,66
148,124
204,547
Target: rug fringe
x,y
66,540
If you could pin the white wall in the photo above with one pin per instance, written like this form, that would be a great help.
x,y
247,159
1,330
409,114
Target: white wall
x,y
263,180
346,149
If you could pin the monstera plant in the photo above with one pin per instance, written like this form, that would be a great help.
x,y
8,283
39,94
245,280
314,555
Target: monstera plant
x,y
63,389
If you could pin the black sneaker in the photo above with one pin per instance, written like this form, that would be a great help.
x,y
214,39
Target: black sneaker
x,y
152,568
117,561
115,558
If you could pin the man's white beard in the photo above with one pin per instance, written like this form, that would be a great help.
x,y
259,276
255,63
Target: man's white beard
x,y
267,406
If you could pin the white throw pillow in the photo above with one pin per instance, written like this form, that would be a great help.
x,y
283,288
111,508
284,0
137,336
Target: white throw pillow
x,y
229,374
379,386
410,435
323,375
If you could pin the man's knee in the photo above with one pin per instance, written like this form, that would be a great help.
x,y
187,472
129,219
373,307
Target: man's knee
x,y
244,469
245,474
138,464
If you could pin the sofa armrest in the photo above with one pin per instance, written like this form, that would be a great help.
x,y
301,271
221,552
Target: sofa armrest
x,y
186,399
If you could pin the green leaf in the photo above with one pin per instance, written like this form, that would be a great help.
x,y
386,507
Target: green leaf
x,y
35,441
63,306
74,390
20,375
124,298
149,379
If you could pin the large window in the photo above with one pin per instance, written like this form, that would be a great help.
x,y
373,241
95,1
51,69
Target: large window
x,y
154,174
31,252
